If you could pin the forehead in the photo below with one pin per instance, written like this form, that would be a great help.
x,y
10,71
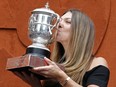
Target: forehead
x,y
67,15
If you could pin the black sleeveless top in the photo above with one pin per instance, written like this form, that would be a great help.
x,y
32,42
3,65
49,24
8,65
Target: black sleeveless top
x,y
99,75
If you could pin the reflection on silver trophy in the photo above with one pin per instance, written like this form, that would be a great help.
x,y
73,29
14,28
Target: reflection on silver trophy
x,y
41,23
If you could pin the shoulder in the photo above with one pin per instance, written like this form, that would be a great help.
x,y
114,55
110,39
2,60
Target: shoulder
x,y
98,61
97,75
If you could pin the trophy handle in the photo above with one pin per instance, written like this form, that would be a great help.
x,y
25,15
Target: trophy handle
x,y
58,17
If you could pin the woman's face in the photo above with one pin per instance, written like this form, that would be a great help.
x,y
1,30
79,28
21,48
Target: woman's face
x,y
64,28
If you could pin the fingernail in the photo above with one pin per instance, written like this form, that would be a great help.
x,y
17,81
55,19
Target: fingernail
x,y
45,57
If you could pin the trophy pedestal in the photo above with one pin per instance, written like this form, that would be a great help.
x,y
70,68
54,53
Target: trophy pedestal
x,y
26,61
23,63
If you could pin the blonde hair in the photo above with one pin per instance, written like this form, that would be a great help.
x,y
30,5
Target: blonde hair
x,y
80,47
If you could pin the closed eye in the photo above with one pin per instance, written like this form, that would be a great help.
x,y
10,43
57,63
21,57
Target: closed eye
x,y
69,22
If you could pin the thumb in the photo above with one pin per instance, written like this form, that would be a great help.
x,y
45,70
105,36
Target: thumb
x,y
48,61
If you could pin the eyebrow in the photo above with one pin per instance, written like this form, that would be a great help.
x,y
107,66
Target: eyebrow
x,y
66,18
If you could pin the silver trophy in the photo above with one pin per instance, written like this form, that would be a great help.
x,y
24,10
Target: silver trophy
x,y
41,23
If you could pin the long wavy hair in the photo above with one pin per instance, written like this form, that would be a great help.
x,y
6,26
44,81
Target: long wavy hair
x,y
80,47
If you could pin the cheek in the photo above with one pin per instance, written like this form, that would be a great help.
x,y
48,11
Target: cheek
x,y
67,32
67,35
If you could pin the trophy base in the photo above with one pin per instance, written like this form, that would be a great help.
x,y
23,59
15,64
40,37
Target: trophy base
x,y
23,63
27,60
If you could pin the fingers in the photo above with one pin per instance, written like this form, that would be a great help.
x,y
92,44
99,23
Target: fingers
x,y
49,62
40,69
44,68
46,71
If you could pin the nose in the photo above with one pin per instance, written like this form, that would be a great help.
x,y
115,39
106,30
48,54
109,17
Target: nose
x,y
59,25
61,22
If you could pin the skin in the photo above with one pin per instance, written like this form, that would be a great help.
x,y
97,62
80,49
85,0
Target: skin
x,y
64,29
52,70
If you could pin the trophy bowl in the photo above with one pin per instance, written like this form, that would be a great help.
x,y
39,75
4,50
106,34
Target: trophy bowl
x,y
41,23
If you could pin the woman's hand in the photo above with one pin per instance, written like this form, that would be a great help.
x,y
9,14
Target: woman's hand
x,y
29,78
50,71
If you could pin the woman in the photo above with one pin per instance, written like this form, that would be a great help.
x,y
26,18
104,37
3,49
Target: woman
x,y
73,49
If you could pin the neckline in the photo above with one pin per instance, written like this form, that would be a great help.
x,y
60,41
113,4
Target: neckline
x,y
96,67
